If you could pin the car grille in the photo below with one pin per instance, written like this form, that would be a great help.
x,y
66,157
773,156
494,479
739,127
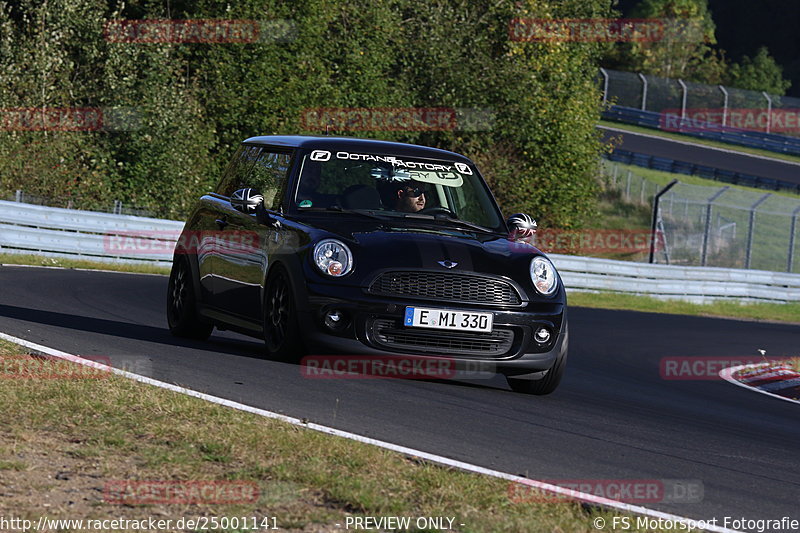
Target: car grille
x,y
494,344
449,287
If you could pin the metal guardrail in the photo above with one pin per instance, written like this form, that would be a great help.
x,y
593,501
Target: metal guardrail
x,y
68,233
57,232
694,284
692,169
772,142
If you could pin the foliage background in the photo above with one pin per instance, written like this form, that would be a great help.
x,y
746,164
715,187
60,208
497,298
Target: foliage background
x,y
197,101
702,59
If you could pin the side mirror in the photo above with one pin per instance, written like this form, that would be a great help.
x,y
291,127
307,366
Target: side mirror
x,y
521,226
247,200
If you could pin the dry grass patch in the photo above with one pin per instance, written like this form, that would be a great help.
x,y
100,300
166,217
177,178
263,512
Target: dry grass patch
x,y
64,440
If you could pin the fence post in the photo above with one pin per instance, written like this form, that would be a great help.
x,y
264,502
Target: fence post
x,y
628,188
790,262
683,100
654,226
644,91
769,110
709,204
605,84
18,196
724,104
642,191
750,228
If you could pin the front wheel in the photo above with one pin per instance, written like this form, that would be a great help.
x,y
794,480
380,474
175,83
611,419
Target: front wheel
x,y
547,383
281,332
182,315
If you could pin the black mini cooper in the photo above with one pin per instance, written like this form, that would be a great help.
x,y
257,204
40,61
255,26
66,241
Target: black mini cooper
x,y
355,246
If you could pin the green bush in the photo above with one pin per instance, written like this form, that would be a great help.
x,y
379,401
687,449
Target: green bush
x,y
195,102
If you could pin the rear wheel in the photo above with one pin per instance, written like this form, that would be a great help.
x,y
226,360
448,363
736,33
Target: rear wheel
x,y
182,315
281,331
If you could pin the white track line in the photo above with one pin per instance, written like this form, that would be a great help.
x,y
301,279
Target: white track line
x,y
699,145
445,461
727,375
83,269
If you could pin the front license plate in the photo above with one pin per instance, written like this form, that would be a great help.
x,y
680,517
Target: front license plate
x,y
440,319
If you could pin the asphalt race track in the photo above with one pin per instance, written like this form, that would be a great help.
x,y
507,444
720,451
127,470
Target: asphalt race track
x,y
705,155
614,417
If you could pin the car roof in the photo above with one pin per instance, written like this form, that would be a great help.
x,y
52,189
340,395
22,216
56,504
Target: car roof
x,y
353,144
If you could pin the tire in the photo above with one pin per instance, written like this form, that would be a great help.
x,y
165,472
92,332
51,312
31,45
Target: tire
x,y
547,383
182,316
281,331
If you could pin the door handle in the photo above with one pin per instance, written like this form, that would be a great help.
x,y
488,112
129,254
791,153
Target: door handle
x,y
221,222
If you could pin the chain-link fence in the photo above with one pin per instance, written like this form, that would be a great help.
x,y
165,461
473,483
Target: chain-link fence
x,y
633,188
706,105
717,226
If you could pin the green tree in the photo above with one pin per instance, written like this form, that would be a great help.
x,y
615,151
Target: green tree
x,y
760,73
687,49
41,49
192,102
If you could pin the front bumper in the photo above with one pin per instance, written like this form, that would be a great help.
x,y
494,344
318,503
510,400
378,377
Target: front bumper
x,y
373,325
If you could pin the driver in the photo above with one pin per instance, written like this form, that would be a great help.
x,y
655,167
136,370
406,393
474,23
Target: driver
x,y
409,197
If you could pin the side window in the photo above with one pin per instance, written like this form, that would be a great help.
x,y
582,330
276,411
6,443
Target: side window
x,y
268,176
236,174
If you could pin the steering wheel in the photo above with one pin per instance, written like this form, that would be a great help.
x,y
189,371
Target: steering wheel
x,y
439,209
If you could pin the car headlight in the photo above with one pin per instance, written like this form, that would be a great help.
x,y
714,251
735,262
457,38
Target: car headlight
x,y
543,275
333,257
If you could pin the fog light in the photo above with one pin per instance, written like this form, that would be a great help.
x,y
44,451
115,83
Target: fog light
x,y
334,319
542,335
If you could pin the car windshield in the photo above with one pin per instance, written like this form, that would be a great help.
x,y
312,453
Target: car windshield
x,y
396,186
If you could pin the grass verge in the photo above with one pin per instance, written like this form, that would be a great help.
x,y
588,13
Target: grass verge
x,y
38,260
63,441
696,140
662,178
766,312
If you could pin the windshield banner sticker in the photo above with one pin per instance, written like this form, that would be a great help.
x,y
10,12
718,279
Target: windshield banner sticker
x,y
444,172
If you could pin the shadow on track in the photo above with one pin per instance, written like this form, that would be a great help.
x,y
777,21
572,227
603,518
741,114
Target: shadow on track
x,y
128,330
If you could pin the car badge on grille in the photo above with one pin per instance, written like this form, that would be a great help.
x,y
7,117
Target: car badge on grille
x,y
448,263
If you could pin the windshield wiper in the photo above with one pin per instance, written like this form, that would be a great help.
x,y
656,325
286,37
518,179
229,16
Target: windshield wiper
x,y
363,213
453,220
